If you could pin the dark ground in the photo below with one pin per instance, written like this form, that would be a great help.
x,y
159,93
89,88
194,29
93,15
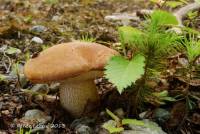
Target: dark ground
x,y
64,22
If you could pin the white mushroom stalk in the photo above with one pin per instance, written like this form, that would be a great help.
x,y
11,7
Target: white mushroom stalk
x,y
79,95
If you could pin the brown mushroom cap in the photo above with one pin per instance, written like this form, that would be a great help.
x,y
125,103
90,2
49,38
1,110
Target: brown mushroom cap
x,y
67,60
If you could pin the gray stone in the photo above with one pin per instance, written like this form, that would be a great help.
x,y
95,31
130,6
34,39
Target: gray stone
x,y
37,40
124,18
56,18
119,112
161,115
148,128
82,125
35,114
40,88
38,29
83,129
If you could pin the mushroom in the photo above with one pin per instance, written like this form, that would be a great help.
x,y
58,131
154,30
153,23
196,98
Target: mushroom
x,y
75,65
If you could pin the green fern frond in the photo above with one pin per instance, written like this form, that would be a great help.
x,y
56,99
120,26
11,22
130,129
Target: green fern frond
x,y
161,18
129,35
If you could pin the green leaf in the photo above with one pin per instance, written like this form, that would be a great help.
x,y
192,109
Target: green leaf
x,y
111,126
122,73
163,96
87,38
174,4
2,77
190,104
192,14
154,1
112,115
163,18
184,1
133,122
168,99
160,18
128,34
12,50
198,1
51,1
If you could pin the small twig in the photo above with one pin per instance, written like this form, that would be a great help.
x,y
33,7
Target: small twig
x,y
180,13
163,4
10,63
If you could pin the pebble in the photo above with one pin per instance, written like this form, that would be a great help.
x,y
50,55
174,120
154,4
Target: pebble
x,y
144,12
152,128
40,88
54,87
35,114
5,112
120,113
161,115
6,95
37,40
3,132
82,125
124,18
6,98
142,115
23,80
1,105
38,29
183,61
83,129
3,48
56,18
176,30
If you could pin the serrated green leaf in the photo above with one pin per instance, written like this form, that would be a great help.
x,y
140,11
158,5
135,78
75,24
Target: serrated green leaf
x,y
133,122
111,127
128,34
122,73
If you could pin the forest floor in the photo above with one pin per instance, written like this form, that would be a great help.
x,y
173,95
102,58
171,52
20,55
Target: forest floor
x,y
28,27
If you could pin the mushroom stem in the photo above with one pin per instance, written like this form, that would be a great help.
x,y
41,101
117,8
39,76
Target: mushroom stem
x,y
75,96
79,95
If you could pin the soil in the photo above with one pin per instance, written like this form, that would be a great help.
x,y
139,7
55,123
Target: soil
x,y
66,21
